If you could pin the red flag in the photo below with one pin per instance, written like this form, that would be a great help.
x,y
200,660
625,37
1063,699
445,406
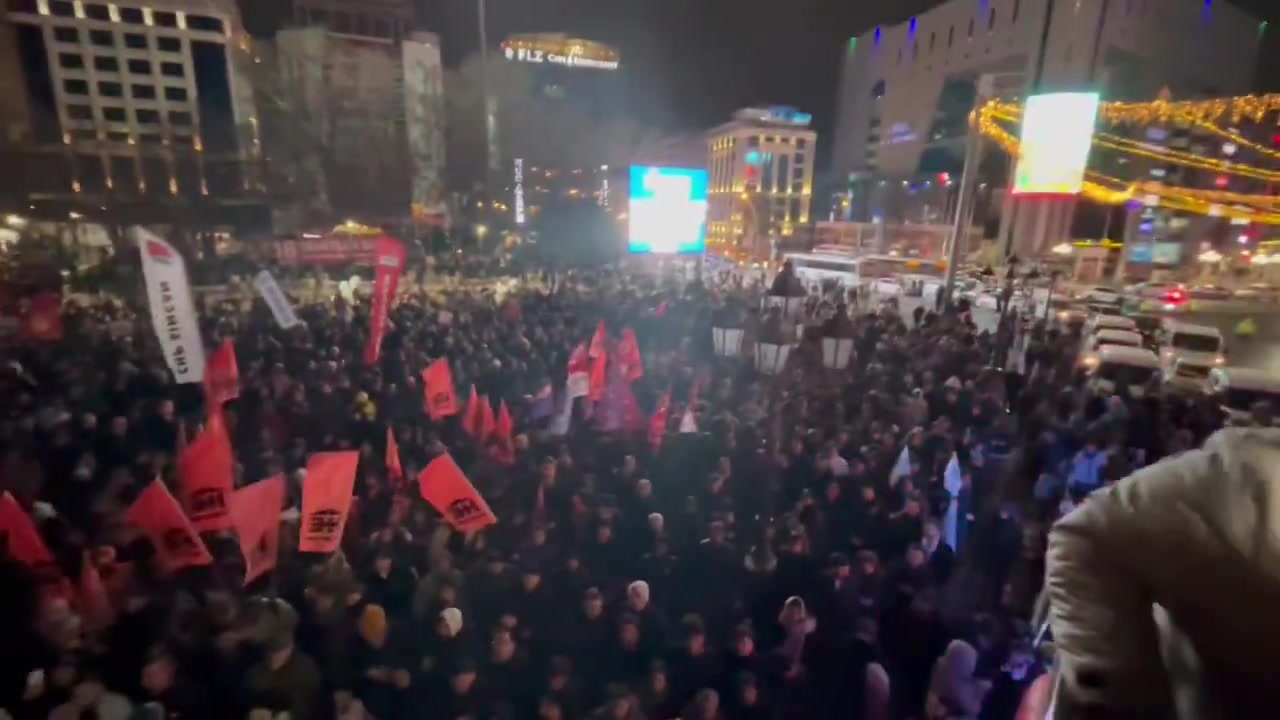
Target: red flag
x,y
595,387
633,419
395,472
255,511
599,341
204,473
579,372
91,597
159,516
326,499
388,256
438,391
20,534
487,421
222,375
628,355
472,418
658,422
450,492
43,319
504,450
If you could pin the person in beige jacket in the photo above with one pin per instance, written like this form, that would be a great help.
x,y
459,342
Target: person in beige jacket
x,y
1164,588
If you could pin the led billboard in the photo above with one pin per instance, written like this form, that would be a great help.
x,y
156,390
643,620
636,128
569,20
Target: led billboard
x,y
668,212
1057,130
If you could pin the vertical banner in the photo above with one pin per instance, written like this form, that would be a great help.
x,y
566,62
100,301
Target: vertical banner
x,y
158,516
275,299
205,467
326,499
438,389
222,375
449,491
255,514
172,314
388,265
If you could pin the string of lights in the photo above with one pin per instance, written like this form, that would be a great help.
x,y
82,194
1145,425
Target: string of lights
x,y
1107,190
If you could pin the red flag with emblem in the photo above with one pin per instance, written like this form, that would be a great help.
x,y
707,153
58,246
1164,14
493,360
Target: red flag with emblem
x,y
438,391
205,467
326,499
160,518
444,485
255,511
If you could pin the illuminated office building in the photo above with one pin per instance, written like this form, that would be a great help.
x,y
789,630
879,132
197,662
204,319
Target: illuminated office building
x,y
906,90
761,177
125,102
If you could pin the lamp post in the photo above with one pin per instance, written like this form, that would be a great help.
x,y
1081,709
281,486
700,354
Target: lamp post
x,y
727,331
837,340
774,343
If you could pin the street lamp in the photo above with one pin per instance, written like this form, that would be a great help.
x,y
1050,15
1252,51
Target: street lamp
x,y
481,231
727,331
837,340
773,344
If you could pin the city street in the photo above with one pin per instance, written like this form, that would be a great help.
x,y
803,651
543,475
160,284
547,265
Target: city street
x,y
1262,352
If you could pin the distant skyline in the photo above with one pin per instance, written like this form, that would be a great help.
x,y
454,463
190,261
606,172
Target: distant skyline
x,y
689,65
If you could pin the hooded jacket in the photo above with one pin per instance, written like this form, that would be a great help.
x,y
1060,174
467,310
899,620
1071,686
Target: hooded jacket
x,y
1199,536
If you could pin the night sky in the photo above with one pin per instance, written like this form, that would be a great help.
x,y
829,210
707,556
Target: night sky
x,y
690,63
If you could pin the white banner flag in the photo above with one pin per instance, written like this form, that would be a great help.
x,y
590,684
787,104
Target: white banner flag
x,y
275,299
172,314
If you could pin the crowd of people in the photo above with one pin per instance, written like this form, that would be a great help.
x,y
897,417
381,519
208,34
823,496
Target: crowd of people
x,y
788,548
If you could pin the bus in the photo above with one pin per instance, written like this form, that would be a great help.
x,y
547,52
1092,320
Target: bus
x,y
837,265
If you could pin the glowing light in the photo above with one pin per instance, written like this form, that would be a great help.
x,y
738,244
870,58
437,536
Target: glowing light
x,y
1057,130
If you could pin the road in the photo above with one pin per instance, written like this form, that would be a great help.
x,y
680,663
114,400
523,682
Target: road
x,y
1261,352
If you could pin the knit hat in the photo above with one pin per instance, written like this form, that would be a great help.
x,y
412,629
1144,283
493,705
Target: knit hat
x,y
373,625
452,618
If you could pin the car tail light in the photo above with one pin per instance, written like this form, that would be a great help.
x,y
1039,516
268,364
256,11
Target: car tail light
x,y
1175,296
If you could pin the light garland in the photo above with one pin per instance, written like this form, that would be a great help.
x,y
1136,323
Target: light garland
x,y
1108,190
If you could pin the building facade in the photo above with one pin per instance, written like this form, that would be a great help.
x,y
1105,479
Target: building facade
x,y
139,110
584,75
761,178
355,123
906,90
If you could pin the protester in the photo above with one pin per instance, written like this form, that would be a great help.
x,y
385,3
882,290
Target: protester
x,y
520,501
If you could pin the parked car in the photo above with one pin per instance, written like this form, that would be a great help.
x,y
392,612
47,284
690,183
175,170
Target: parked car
x,y
1210,292
1100,294
1153,290
1260,292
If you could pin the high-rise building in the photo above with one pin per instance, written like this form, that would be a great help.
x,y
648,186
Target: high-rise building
x,y
906,90
354,106
761,178
584,75
132,108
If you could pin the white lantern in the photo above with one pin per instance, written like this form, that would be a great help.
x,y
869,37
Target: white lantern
x,y
836,352
727,341
771,358
792,306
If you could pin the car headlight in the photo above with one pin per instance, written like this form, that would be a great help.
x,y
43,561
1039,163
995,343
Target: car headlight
x,y
1219,360
1062,315
1090,361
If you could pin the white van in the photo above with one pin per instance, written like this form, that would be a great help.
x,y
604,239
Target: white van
x,y
1237,389
1108,322
1186,375
1192,344
1129,366
1095,343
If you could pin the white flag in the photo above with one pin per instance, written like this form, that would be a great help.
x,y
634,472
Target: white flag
x,y
275,299
952,481
560,423
901,467
687,422
172,314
